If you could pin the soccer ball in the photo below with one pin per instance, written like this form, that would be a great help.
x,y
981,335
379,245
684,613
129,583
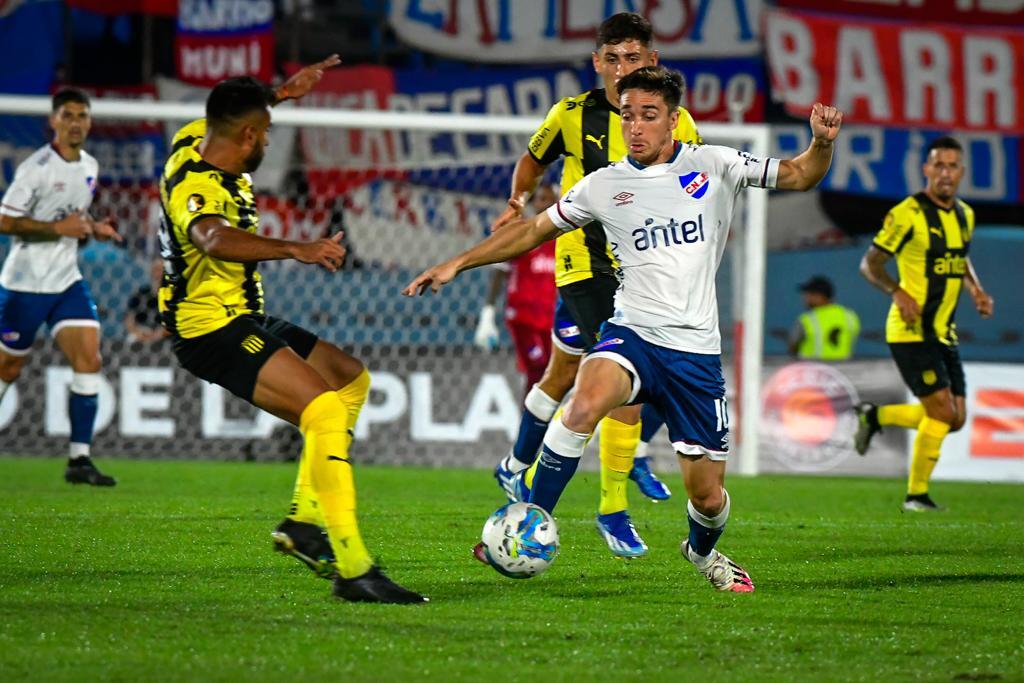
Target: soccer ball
x,y
520,540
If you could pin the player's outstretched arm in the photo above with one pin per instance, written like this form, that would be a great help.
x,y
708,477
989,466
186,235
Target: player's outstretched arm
x,y
983,301
873,268
515,239
218,238
525,177
75,225
805,171
305,79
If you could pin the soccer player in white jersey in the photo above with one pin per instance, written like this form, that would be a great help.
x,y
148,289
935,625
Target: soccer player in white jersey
x,y
45,209
666,209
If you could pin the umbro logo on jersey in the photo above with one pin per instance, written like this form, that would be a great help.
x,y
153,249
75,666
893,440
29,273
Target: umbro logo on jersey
x,y
58,186
695,184
195,203
607,343
253,344
597,141
623,198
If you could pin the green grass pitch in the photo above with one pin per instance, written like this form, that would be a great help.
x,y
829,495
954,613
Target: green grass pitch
x,y
170,577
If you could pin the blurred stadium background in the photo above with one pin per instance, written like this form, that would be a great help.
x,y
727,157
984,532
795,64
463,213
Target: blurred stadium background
x,y
904,74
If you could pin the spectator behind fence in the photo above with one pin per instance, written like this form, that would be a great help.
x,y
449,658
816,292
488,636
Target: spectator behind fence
x,y
142,319
827,331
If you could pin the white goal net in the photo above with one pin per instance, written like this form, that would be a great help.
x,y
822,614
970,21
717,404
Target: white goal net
x,y
408,189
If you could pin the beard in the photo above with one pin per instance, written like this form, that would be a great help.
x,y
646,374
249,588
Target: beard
x,y
255,158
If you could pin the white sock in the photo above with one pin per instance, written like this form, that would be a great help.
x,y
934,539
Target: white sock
x,y
540,404
641,450
78,450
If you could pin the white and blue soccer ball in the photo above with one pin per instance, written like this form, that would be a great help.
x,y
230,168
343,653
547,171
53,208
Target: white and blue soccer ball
x,y
520,540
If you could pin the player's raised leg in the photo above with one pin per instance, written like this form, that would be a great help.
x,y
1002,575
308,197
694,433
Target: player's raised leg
x,y
79,340
541,403
601,385
291,388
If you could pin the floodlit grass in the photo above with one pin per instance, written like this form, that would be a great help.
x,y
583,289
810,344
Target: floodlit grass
x,y
169,576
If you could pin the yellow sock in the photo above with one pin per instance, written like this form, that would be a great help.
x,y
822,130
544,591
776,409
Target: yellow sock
x,y
304,506
323,424
618,446
927,444
907,415
353,395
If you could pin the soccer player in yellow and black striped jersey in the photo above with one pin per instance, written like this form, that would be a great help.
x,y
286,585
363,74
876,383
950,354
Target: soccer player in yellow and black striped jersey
x,y
586,132
929,235
211,301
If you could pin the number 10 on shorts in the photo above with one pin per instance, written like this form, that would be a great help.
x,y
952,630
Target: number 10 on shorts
x,y
721,414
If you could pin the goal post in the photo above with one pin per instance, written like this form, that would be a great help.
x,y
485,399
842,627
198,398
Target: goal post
x,y
453,190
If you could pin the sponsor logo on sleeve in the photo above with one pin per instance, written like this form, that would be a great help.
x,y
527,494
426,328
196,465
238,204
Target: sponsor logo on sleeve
x,y
195,203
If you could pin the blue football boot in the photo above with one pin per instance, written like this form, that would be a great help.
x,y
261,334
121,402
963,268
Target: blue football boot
x,y
649,484
505,478
620,535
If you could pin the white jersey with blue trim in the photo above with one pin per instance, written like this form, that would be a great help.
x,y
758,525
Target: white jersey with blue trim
x,y
46,187
667,225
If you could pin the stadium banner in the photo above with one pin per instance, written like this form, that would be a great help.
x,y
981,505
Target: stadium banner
x,y
524,31
886,162
991,12
808,423
935,76
218,39
428,406
990,446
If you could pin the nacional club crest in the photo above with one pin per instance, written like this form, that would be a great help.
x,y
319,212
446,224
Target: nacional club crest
x,y
695,185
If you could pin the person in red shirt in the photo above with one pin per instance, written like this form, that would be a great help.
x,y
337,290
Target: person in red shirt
x,y
529,301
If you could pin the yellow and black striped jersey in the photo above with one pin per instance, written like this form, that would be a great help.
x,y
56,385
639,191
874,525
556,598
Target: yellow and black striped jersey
x,y
200,293
930,245
587,131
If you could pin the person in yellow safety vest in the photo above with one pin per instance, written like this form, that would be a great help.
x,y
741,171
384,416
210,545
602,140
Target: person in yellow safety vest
x,y
827,331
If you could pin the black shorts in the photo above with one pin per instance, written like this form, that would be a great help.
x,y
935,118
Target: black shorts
x,y
233,355
929,366
590,303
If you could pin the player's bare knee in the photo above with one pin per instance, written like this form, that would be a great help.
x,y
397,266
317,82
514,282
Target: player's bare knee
x,y
10,368
708,501
943,413
582,415
87,363
958,423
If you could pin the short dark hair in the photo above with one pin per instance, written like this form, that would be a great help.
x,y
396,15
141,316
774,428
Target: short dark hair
x,y
944,142
65,95
234,98
624,26
668,83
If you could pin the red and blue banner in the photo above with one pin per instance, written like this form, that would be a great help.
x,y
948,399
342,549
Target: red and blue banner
x,y
219,39
898,74
551,31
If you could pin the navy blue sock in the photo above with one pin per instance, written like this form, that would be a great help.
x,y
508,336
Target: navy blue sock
x,y
650,422
704,530
530,438
702,539
82,411
553,474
